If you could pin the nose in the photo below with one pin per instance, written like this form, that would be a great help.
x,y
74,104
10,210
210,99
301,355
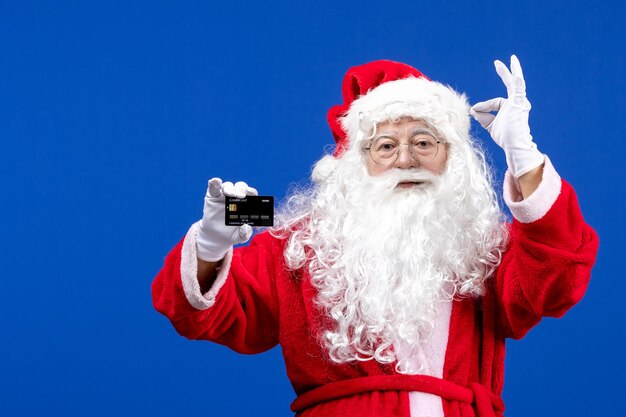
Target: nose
x,y
405,160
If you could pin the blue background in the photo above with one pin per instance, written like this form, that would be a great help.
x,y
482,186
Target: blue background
x,y
114,114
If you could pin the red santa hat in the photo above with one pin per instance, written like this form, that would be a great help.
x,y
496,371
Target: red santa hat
x,y
387,90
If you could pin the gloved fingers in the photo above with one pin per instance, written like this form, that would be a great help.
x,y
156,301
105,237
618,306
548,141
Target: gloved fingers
x,y
241,189
245,188
504,73
516,67
229,190
495,104
513,79
482,111
238,190
485,119
241,234
519,85
214,188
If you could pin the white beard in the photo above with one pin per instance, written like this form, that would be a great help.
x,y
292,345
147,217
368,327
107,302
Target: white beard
x,y
384,287
381,257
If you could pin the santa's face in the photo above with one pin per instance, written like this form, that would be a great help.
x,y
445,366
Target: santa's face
x,y
405,143
384,249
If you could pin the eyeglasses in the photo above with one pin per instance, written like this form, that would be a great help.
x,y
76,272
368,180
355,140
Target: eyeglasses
x,y
386,150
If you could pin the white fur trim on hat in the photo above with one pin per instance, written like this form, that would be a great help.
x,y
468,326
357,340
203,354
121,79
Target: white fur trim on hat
x,y
418,98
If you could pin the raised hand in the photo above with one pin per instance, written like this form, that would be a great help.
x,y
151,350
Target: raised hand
x,y
509,125
214,238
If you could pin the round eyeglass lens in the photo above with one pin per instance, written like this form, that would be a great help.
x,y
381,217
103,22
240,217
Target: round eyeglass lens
x,y
385,151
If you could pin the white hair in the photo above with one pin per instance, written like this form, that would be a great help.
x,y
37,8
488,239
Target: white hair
x,y
379,257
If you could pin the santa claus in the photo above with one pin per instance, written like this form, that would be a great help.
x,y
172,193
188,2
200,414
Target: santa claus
x,y
393,281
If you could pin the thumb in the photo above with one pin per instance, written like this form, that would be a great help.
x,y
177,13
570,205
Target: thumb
x,y
490,105
241,234
482,111
214,188
485,119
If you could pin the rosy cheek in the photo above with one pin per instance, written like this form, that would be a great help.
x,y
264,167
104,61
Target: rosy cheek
x,y
373,169
376,170
440,165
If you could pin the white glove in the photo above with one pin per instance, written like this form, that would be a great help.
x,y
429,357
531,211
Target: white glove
x,y
214,238
509,127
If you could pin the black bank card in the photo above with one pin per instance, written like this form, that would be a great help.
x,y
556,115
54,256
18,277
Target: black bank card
x,y
252,210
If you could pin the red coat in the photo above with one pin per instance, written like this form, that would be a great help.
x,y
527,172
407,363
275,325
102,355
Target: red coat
x,y
256,303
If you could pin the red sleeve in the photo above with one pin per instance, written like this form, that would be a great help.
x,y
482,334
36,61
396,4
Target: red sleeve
x,y
243,314
546,267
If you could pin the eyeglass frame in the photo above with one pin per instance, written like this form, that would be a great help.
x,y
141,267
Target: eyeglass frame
x,y
371,141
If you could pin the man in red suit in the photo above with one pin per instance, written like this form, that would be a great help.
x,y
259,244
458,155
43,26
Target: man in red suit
x,y
392,283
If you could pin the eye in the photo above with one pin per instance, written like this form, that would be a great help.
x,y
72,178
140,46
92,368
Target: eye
x,y
423,142
384,145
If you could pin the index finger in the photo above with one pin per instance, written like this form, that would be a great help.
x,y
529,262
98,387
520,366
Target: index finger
x,y
503,72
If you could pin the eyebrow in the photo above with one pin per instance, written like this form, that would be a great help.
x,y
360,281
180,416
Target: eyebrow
x,y
422,130
414,132
384,135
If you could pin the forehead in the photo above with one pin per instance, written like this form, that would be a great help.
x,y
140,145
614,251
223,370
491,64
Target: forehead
x,y
400,125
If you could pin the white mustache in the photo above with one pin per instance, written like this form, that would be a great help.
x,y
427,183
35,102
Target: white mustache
x,y
396,176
